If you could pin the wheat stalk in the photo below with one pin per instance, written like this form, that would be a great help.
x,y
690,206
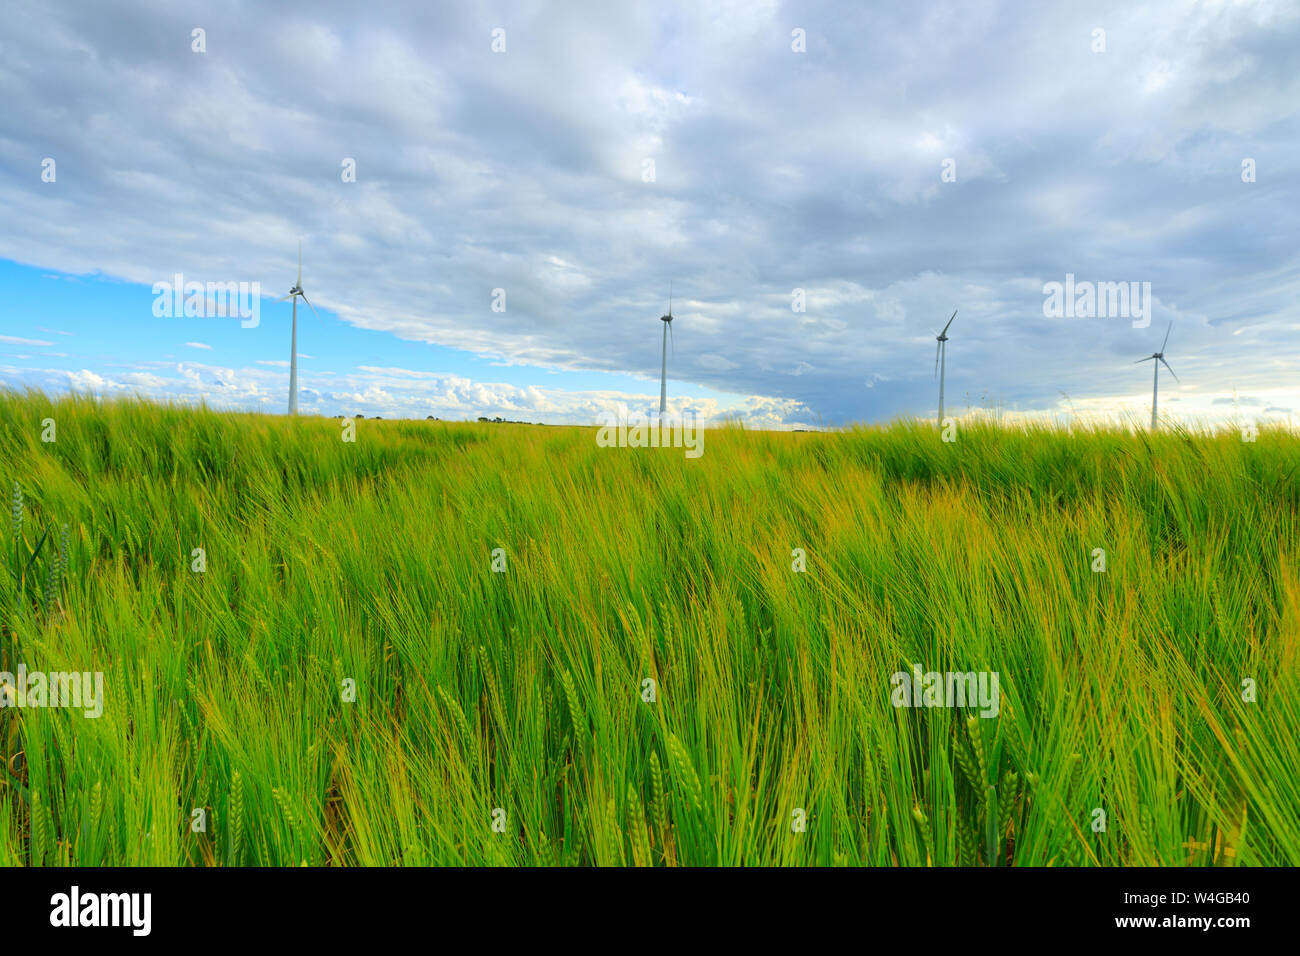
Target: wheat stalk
x,y
640,835
236,817
685,772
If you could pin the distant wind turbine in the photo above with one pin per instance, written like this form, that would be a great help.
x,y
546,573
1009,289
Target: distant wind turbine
x,y
941,360
1158,357
663,376
294,294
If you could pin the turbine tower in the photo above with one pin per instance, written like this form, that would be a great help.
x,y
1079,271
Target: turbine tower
x,y
1157,358
667,320
294,294
941,360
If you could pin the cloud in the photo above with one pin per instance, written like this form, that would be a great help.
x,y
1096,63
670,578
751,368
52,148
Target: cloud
x,y
408,393
773,171
88,381
199,345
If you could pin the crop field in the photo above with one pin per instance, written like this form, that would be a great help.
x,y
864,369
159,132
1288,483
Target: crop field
x,y
501,644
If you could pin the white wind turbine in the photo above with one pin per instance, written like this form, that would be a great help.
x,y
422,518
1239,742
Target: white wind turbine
x,y
663,375
294,294
1158,357
941,360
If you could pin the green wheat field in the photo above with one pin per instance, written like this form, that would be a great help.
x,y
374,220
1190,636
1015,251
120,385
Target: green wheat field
x,y
347,681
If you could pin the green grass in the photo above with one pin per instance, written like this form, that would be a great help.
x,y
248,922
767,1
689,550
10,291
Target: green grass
x,y
371,562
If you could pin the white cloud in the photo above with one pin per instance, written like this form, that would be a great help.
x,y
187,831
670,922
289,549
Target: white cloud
x,y
86,380
399,393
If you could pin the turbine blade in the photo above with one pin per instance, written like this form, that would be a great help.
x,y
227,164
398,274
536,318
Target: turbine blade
x,y
672,343
1147,359
1166,341
312,307
1171,372
299,283
285,298
670,305
937,346
950,318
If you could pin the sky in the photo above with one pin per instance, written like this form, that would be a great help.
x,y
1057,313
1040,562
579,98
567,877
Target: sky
x,y
493,198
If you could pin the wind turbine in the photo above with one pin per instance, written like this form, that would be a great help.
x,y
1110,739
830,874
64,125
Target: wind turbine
x,y
294,294
1158,357
667,320
941,356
